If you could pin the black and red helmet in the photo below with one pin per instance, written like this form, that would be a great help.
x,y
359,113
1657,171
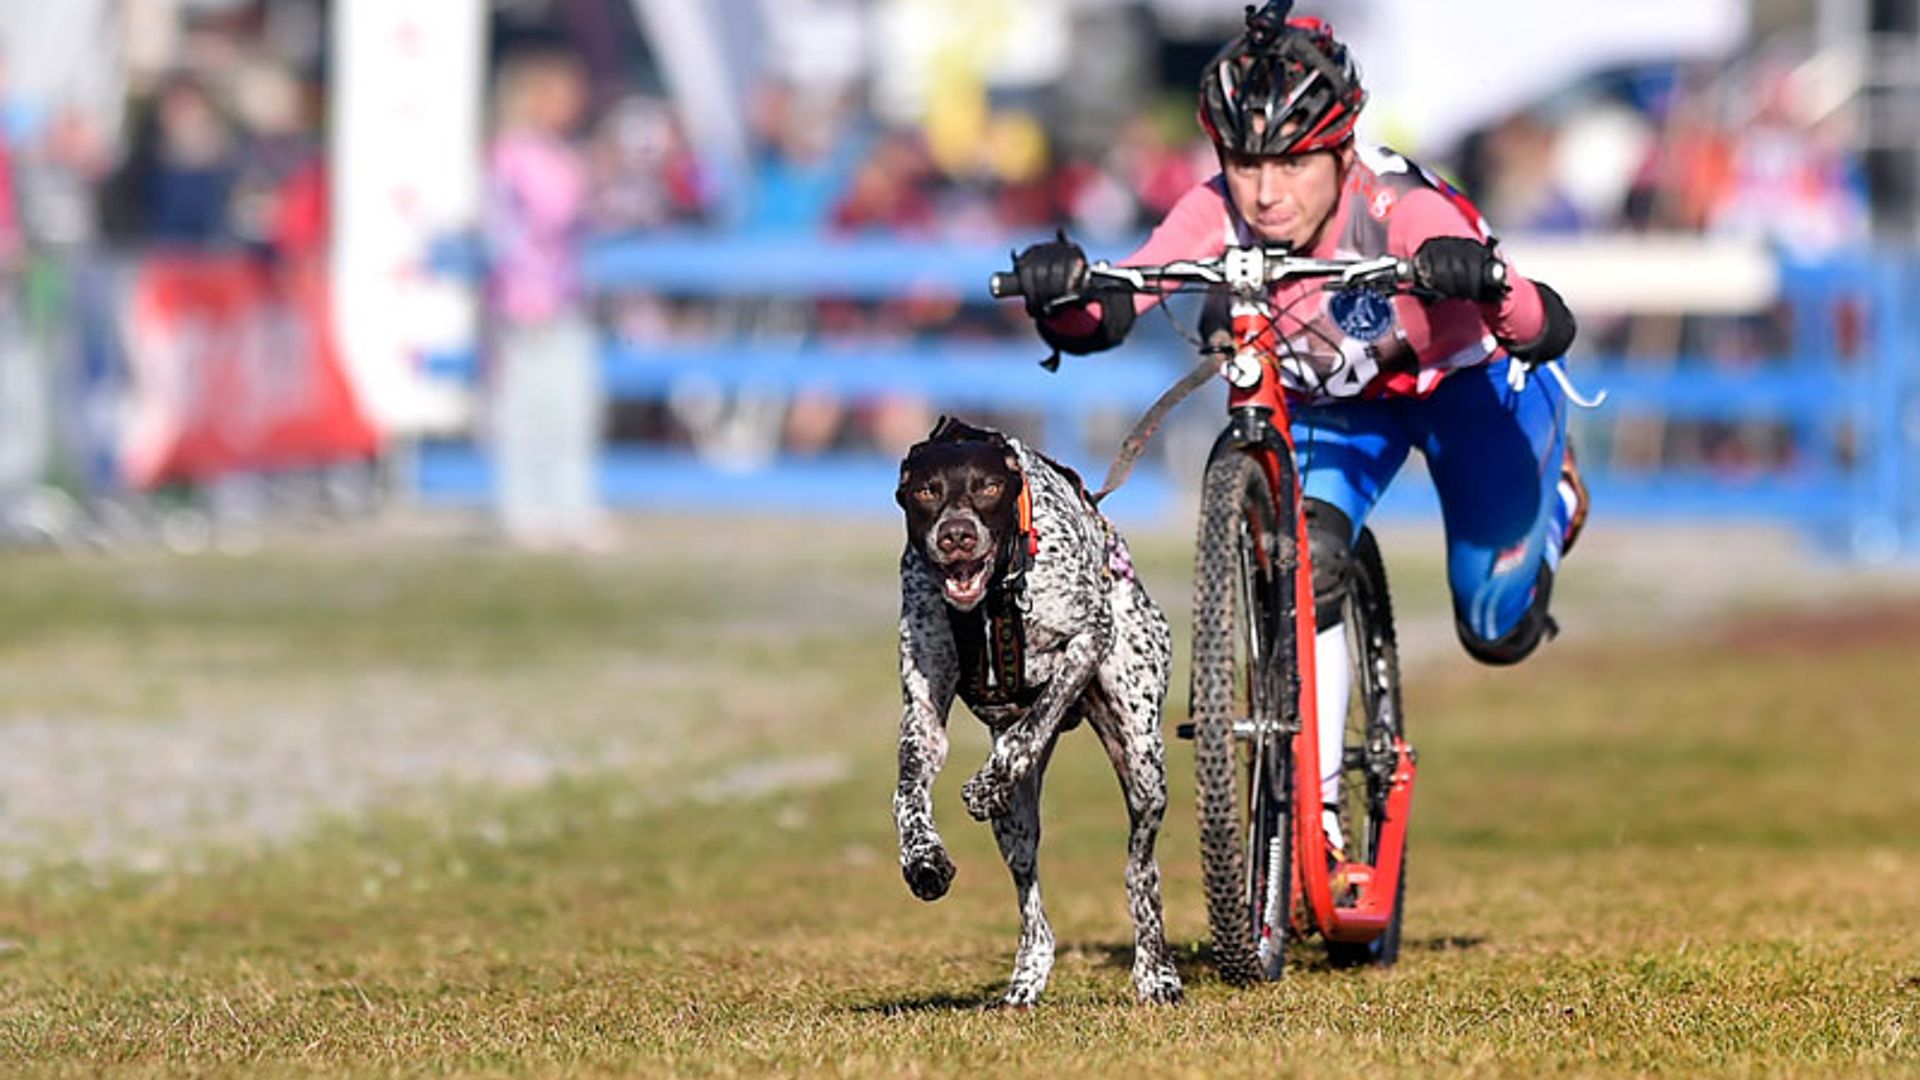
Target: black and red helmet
x,y
1283,86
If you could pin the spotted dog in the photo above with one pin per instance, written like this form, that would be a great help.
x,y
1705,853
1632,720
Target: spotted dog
x,y
1018,597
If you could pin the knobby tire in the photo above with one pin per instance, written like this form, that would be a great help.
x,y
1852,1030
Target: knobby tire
x,y
1243,635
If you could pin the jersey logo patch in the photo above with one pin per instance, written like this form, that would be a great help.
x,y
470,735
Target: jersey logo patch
x,y
1381,204
1362,314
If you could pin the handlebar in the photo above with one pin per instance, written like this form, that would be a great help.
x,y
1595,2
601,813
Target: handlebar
x,y
1248,268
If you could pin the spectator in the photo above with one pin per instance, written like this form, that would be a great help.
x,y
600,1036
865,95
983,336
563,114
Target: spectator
x,y
889,191
277,169
1015,157
644,174
22,411
547,403
1790,182
1523,187
806,158
12,242
55,185
187,184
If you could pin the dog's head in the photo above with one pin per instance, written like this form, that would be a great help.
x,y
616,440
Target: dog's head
x,y
962,498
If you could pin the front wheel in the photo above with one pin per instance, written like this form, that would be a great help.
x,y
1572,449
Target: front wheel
x,y
1244,706
1375,729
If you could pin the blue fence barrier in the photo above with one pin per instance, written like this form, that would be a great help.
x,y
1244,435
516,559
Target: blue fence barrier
x,y
1846,387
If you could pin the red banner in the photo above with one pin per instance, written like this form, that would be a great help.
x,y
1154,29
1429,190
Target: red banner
x,y
234,369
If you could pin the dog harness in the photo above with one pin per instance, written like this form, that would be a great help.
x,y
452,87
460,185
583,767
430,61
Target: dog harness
x,y
991,640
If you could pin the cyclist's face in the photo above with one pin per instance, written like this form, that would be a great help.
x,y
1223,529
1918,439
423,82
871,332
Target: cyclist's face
x,y
1286,199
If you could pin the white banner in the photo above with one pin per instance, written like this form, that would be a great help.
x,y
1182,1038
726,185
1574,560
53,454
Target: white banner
x,y
407,103
1437,70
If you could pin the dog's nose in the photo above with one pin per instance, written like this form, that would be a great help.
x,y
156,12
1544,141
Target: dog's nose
x,y
957,537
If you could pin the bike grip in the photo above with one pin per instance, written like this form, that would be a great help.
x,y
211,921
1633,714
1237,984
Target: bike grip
x,y
1005,285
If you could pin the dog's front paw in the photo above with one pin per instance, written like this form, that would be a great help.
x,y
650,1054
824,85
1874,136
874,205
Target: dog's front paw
x,y
929,874
987,795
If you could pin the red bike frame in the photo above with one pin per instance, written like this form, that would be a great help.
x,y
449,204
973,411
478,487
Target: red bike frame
x,y
1375,888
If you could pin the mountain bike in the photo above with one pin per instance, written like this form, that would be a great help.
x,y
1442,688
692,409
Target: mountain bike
x,y
1271,876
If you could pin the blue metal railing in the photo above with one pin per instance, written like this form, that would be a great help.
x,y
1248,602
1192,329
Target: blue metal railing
x,y
1852,481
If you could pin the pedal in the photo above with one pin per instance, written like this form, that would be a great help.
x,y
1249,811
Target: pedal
x,y
1350,883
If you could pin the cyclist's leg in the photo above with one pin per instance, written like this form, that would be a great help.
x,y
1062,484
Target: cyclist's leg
x,y
1496,456
1347,453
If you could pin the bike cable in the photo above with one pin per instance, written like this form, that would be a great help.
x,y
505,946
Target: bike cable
x,y
1517,380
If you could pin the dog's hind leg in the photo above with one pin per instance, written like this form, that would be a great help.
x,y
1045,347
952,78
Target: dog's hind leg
x,y
1140,763
1132,687
1018,832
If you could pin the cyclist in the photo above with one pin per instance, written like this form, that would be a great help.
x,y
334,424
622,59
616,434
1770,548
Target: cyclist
x,y
1371,377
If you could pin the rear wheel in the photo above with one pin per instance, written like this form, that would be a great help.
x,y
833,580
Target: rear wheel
x,y
1374,727
1244,708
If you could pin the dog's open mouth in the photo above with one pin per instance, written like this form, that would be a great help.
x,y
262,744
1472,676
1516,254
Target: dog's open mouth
x,y
966,581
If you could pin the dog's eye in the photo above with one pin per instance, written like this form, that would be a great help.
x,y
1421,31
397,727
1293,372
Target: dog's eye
x,y
927,492
990,487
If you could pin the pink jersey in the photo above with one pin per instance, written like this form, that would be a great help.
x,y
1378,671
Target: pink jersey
x,y
536,199
1356,344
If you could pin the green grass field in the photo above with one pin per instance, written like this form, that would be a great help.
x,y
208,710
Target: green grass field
x,y
401,805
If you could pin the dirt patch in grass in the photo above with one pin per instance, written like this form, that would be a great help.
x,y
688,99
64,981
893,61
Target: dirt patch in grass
x,y
1812,633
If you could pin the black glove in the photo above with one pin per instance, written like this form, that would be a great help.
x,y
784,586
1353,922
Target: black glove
x,y
1457,267
1050,272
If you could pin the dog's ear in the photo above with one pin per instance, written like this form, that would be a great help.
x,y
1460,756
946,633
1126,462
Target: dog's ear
x,y
900,490
1016,479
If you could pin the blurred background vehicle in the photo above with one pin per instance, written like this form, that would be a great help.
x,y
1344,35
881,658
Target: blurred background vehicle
x,y
242,263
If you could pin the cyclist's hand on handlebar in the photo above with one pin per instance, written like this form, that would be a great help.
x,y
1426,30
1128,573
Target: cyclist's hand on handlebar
x,y
1049,273
1462,268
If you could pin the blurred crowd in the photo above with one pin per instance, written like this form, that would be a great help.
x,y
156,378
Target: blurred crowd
x,y
227,156
825,167
1757,150
226,151
219,151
